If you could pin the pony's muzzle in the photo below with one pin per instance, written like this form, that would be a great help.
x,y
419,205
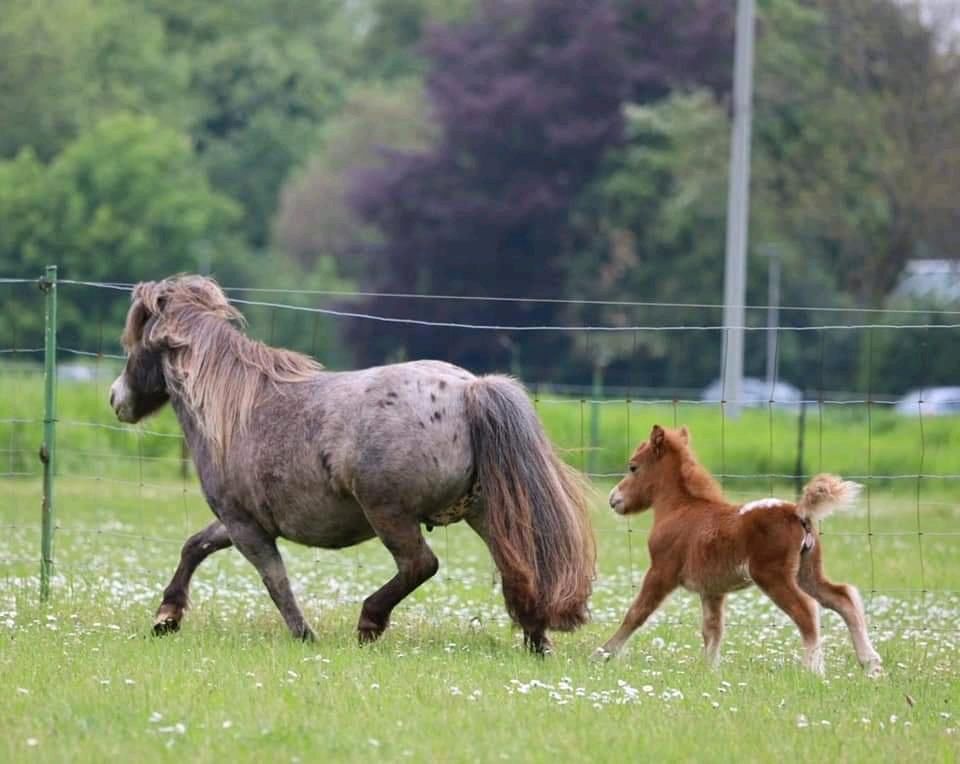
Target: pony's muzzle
x,y
120,399
616,500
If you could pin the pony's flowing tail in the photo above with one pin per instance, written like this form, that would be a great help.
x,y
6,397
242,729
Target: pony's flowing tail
x,y
825,493
537,524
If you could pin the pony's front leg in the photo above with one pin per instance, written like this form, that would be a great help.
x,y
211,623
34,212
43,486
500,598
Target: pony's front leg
x,y
176,596
261,550
656,586
416,563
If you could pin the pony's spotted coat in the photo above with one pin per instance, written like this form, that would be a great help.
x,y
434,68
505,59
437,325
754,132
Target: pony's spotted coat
x,y
285,449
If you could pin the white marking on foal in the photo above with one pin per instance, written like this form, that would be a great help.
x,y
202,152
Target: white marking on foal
x,y
761,504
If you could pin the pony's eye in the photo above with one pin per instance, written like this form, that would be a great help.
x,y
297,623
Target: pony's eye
x,y
632,467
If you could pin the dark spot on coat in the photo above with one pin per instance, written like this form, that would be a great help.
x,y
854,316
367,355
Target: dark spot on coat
x,y
433,398
442,384
383,403
454,437
436,461
391,394
325,461
436,416
422,424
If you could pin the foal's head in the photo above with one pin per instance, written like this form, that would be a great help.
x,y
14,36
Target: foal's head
x,y
153,331
663,462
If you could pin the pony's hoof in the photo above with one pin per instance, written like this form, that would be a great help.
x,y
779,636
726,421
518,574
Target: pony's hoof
x,y
164,625
874,669
601,655
367,635
369,629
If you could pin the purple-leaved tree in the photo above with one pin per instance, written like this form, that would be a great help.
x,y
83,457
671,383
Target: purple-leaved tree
x,y
528,98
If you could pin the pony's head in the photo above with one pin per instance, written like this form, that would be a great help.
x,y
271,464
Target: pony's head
x,y
661,463
154,334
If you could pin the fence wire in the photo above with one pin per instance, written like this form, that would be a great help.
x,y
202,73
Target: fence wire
x,y
119,483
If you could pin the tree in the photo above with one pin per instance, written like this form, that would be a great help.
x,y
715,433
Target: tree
x,y
125,201
66,63
527,97
264,77
314,218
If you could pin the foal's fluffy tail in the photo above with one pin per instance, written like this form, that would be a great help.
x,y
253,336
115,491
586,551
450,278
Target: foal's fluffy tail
x,y
825,493
537,525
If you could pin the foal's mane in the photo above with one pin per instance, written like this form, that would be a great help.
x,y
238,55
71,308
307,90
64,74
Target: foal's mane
x,y
219,371
697,480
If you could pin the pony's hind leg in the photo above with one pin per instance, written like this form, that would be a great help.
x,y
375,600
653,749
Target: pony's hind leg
x,y
260,548
712,608
802,609
845,600
175,597
416,563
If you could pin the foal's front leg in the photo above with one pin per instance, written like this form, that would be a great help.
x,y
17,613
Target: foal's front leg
x,y
712,608
656,586
175,597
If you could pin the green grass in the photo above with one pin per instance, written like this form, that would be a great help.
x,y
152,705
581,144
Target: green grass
x,y
82,680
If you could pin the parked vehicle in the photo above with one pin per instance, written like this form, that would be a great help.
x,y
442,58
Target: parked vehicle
x,y
936,401
757,392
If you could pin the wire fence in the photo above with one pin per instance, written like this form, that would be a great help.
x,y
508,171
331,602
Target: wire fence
x,y
129,488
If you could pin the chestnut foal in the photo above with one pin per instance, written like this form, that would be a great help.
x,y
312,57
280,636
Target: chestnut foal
x,y
703,543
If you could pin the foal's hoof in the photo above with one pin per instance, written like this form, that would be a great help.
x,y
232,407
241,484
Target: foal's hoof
x,y
601,655
873,669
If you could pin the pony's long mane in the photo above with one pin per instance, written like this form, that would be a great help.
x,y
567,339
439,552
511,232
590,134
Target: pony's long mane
x,y
697,480
219,371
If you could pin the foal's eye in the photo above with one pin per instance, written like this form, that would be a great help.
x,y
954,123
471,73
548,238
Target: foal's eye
x,y
632,467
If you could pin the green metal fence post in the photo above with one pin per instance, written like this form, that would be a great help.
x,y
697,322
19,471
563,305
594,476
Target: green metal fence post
x,y
48,283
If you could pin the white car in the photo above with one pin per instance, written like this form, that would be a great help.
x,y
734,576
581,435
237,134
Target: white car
x,y
756,392
937,401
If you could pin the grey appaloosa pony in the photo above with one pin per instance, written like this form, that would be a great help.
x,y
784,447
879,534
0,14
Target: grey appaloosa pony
x,y
284,449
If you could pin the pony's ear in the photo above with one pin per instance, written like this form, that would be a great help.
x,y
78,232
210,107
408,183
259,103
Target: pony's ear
x,y
684,435
657,439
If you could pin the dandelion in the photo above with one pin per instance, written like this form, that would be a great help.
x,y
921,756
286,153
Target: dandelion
x,y
155,717
802,721
227,724
374,742
32,742
23,691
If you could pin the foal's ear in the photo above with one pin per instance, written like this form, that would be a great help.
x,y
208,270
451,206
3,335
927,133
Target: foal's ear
x,y
657,438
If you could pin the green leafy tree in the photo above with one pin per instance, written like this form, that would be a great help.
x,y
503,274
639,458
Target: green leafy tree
x,y
123,202
314,218
66,63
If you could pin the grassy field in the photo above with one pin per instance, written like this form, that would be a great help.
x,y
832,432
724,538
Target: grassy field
x,y
82,679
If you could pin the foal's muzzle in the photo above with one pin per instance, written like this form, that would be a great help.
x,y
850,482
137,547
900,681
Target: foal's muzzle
x,y
616,500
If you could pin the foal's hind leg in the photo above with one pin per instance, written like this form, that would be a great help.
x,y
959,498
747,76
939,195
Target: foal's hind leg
x,y
416,563
196,549
712,607
845,600
802,609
